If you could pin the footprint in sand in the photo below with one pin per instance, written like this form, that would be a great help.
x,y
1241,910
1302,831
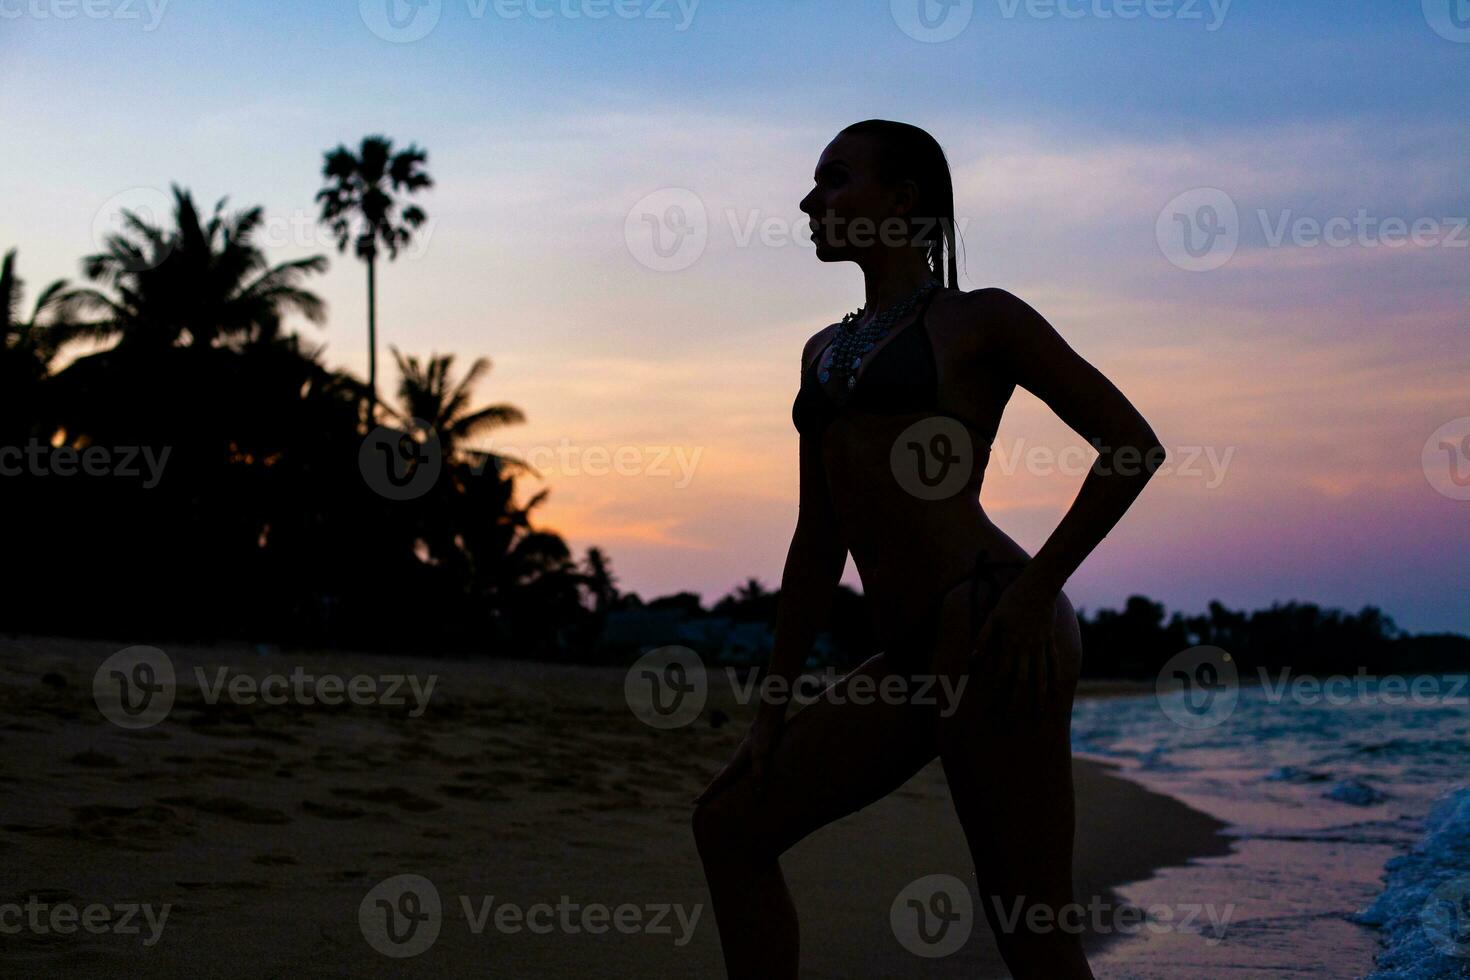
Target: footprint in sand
x,y
333,811
228,806
471,792
139,828
390,795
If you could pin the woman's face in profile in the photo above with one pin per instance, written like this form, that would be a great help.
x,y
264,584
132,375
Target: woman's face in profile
x,y
849,205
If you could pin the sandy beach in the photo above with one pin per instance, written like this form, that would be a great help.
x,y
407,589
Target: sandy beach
x,y
261,829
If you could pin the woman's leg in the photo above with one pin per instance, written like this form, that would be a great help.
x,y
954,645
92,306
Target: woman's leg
x,y
834,757
1011,779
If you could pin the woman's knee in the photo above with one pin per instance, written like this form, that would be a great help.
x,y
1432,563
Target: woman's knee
x,y
722,826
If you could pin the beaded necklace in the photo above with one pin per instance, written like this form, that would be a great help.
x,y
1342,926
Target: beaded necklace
x,y
852,343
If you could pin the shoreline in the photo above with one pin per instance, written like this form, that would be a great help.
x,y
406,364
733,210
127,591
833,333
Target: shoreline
x,y
266,826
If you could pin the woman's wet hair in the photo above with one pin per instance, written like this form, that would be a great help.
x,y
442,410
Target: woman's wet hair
x,y
905,151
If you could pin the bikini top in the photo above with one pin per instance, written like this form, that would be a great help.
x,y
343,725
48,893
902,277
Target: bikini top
x,y
902,377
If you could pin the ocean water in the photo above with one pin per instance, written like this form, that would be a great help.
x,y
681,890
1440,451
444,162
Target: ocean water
x,y
1350,817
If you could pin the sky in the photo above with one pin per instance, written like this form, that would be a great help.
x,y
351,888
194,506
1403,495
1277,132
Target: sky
x,y
1251,216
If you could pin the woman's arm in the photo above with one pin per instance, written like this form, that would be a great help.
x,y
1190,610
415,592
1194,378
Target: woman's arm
x,y
1026,347
814,563
1128,451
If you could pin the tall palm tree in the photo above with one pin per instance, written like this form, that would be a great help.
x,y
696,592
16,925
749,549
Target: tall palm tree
x,y
206,282
599,580
360,204
427,391
28,344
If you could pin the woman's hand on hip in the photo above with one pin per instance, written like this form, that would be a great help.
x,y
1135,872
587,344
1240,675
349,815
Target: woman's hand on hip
x,y
1016,649
753,755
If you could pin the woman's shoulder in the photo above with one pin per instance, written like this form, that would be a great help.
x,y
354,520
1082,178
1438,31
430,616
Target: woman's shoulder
x,y
814,345
985,301
976,318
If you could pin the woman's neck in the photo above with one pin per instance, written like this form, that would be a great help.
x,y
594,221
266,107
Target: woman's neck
x,y
892,276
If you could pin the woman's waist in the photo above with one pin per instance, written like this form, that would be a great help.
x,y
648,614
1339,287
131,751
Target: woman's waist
x,y
906,573
881,525
934,459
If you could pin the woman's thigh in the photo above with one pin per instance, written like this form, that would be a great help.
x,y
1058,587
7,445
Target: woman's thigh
x,y
848,748
1009,769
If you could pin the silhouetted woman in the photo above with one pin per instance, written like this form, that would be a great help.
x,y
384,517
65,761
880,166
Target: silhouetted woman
x,y
897,409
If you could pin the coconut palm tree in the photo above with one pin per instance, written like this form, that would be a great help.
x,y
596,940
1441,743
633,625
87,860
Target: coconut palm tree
x,y
597,576
201,282
428,392
28,345
360,204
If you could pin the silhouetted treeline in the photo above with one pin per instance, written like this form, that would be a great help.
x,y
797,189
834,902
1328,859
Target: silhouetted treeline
x,y
1133,642
1138,639
176,466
